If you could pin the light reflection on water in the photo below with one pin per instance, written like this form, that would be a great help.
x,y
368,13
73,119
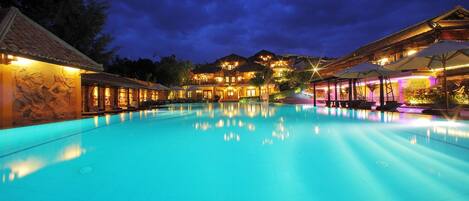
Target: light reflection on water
x,y
284,127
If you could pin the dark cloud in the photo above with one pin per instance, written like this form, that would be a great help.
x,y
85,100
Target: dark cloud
x,y
203,30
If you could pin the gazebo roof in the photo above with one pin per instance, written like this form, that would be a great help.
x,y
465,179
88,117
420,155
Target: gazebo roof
x,y
21,36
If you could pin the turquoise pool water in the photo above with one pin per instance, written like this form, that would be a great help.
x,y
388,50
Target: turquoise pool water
x,y
238,152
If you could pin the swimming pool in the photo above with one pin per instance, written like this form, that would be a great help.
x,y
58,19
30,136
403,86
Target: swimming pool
x,y
238,152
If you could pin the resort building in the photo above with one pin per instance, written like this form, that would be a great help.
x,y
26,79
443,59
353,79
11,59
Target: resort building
x,y
410,86
228,78
40,74
108,93
44,79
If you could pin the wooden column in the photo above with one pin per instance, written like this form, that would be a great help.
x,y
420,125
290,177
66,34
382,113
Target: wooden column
x,y
86,106
314,94
128,98
350,92
354,83
329,93
381,93
116,97
335,91
98,89
138,98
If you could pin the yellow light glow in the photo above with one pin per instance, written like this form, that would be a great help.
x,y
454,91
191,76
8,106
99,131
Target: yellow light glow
x,y
70,69
108,119
383,61
411,52
71,152
20,169
96,121
452,67
21,61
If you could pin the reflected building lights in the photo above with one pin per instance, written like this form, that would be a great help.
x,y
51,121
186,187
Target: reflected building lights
x,y
108,119
267,141
316,130
251,127
122,117
72,152
231,137
96,121
413,140
220,124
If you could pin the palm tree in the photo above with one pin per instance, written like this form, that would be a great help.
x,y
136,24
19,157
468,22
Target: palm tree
x,y
372,88
261,78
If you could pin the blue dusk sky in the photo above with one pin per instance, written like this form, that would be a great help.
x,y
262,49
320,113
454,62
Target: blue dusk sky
x,y
203,30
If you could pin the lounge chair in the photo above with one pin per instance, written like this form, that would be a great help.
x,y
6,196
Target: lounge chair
x,y
390,106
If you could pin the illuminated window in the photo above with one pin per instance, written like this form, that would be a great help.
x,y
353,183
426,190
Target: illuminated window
x,y
411,52
154,95
208,94
227,79
94,96
131,96
251,92
230,93
181,94
107,96
233,79
122,97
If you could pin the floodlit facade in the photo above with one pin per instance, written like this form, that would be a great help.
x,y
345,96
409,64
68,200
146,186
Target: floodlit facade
x,y
228,78
40,74
109,93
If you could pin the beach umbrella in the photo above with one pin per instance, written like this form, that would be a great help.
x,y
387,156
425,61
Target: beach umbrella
x,y
364,70
440,55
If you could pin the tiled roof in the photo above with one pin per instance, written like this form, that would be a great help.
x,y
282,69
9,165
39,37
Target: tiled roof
x,y
250,67
107,79
232,57
446,20
21,36
150,85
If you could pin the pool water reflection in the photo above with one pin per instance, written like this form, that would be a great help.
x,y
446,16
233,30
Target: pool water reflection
x,y
237,151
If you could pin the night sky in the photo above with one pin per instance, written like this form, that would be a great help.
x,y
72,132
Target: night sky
x,y
203,30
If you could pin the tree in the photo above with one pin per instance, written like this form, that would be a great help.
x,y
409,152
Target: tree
x,y
168,71
78,22
298,78
261,78
372,88
171,71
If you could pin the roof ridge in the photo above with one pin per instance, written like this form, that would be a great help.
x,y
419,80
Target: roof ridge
x,y
7,21
427,21
55,37
433,19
